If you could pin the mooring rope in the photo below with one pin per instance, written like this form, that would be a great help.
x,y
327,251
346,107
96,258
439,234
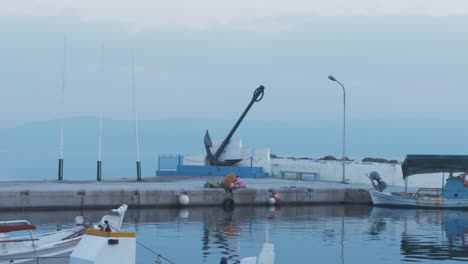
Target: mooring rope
x,y
155,253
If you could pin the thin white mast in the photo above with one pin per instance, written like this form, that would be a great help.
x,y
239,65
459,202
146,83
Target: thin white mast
x,y
136,120
100,110
64,71
99,163
134,108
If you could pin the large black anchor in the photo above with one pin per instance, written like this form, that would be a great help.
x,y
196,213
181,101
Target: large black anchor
x,y
213,158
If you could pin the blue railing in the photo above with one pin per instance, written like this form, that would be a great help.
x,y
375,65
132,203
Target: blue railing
x,y
169,162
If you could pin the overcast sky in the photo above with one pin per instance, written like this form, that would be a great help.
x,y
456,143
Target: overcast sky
x,y
203,59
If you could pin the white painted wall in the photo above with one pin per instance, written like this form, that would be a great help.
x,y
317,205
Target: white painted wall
x,y
355,172
259,157
232,151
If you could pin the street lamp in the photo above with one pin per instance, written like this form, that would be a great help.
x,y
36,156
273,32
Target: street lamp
x,y
344,122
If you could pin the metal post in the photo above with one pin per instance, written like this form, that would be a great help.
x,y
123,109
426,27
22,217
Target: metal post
x,y
136,121
99,164
60,170
251,166
406,185
344,126
344,132
98,177
138,171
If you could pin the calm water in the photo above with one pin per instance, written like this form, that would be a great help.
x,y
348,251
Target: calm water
x,y
318,234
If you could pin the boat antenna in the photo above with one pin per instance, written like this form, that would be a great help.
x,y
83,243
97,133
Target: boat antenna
x,y
64,71
99,162
136,120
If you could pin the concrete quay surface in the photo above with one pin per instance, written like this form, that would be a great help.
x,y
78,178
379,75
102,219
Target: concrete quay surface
x,y
164,192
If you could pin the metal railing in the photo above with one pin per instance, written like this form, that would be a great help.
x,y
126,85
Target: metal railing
x,y
432,193
37,260
169,162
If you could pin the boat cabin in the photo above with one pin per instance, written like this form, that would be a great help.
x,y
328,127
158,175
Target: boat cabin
x,y
454,169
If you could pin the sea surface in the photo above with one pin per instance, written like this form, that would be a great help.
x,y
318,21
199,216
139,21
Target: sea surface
x,y
311,234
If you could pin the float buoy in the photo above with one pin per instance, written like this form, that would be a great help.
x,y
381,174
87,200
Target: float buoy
x,y
274,199
184,199
79,220
271,201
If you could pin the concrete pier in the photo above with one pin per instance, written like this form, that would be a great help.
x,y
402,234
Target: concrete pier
x,y
163,192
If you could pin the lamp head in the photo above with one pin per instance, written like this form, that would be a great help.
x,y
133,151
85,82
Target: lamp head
x,y
331,78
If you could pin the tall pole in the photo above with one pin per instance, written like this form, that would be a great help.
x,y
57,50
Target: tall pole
x,y
99,162
344,125
136,121
64,71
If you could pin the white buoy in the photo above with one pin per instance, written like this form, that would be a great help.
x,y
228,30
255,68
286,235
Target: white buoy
x,y
184,199
79,220
271,201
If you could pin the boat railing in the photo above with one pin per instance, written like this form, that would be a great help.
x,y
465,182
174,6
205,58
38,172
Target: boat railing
x,y
36,260
429,193
18,240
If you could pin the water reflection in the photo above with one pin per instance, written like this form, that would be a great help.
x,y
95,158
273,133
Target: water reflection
x,y
426,234
220,234
204,235
322,234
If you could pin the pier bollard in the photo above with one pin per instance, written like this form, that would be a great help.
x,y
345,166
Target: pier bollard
x,y
60,170
138,171
98,177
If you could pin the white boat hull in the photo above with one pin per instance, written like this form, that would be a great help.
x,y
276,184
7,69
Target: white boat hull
x,y
47,246
386,199
37,248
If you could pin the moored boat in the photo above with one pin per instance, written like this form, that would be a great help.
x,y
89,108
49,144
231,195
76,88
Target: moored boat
x,y
105,247
453,193
31,247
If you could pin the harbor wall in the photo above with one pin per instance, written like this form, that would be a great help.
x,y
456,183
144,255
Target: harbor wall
x,y
79,198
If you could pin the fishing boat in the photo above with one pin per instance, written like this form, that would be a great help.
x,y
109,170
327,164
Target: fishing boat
x,y
452,194
31,247
105,247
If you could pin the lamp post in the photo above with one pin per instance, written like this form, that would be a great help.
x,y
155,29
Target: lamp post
x,y
344,123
